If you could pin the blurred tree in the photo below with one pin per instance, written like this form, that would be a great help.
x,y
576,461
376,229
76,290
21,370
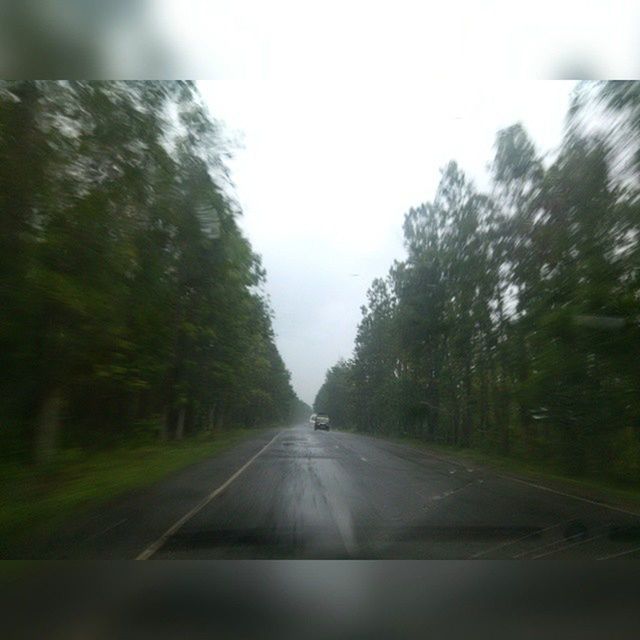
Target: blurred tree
x,y
128,291
513,323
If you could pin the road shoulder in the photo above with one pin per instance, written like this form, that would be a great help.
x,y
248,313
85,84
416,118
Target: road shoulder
x,y
626,500
139,498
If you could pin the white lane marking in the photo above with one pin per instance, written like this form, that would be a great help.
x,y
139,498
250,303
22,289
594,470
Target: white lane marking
x,y
451,492
568,546
558,544
520,539
155,546
568,495
100,533
620,554
429,454
363,459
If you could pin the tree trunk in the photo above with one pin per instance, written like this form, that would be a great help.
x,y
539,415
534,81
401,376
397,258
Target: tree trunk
x,y
467,430
166,424
182,414
483,399
48,426
526,423
220,411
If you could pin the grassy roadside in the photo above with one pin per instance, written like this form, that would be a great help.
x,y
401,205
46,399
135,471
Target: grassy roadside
x,y
33,502
623,496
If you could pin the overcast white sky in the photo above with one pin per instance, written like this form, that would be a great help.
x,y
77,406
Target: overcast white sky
x,y
347,112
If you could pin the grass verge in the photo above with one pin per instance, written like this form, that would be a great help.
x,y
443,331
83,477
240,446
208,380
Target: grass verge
x,y
616,494
36,501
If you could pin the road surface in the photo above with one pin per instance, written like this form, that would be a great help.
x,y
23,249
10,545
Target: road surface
x,y
300,493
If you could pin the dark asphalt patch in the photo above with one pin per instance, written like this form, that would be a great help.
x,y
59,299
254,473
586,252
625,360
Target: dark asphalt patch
x,y
465,533
626,534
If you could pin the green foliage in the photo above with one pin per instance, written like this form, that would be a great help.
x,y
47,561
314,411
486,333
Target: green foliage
x,y
512,325
335,395
127,290
33,502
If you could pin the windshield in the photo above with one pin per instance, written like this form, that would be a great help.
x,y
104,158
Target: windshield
x,y
483,393
330,281
355,315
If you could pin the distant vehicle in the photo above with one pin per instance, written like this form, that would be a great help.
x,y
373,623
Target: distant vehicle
x,y
321,422
312,419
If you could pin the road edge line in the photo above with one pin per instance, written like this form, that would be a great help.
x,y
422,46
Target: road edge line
x,y
486,467
541,487
154,547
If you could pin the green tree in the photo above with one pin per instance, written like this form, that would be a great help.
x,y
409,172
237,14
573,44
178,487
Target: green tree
x,y
129,295
512,325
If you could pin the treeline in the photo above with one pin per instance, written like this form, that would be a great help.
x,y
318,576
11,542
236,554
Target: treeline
x,y
513,325
301,411
130,301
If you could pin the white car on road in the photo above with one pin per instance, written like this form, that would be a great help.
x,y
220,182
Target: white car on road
x,y
321,422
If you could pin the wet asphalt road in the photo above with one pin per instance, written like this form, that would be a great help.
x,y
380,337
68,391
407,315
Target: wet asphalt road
x,y
316,494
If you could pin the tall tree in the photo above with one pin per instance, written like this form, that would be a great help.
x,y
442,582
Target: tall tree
x,y
513,323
